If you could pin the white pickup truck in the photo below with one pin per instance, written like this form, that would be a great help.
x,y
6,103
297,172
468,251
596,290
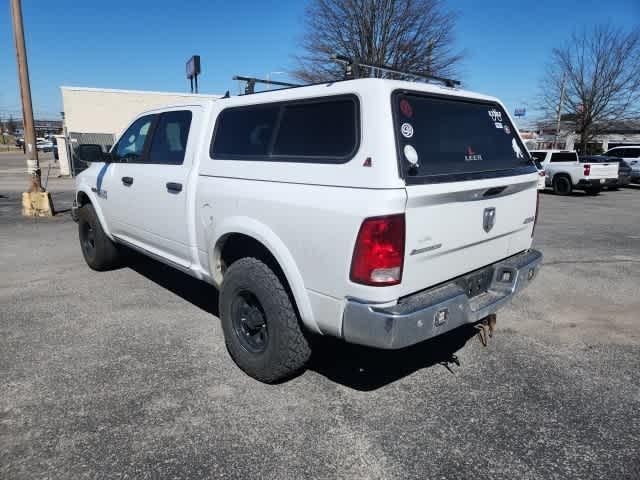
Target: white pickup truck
x,y
382,212
564,172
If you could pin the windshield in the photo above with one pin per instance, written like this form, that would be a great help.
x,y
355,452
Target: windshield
x,y
447,139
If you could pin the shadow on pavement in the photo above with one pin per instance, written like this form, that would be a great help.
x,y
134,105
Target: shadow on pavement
x,y
197,292
366,369
353,366
574,193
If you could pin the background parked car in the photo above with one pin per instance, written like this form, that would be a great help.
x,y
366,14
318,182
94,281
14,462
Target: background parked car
x,y
44,145
624,169
631,154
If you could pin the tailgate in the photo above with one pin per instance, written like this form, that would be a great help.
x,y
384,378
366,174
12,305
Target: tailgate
x,y
452,231
603,170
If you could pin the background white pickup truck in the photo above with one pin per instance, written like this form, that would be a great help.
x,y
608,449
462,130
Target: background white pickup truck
x,y
381,212
564,172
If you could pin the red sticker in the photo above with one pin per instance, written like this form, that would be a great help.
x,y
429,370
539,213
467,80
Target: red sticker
x,y
405,108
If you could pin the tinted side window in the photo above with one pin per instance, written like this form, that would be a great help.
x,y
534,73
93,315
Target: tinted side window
x,y
632,153
319,129
244,132
324,130
170,138
564,157
616,152
130,147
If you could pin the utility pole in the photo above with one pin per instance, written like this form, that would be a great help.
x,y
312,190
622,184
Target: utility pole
x,y
35,202
559,112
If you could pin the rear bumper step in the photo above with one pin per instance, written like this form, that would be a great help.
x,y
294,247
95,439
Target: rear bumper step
x,y
427,314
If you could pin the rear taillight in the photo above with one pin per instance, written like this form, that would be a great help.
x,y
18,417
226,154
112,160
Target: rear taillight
x,y
379,252
587,169
541,173
535,218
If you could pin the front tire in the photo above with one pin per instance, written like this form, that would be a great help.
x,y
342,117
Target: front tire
x,y
261,327
98,250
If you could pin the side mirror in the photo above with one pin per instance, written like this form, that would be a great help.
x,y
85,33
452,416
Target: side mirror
x,y
91,153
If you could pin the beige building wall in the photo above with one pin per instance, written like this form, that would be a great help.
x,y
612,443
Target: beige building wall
x,y
97,110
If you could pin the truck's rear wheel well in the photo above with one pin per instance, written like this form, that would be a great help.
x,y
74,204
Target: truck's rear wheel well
x,y
234,246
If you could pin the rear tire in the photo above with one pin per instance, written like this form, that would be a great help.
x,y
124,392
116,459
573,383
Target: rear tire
x,y
261,327
562,185
98,250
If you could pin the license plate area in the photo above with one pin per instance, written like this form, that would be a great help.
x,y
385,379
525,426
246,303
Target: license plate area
x,y
477,282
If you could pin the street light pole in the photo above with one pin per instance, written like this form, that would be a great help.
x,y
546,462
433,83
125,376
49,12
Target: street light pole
x,y
33,165
35,202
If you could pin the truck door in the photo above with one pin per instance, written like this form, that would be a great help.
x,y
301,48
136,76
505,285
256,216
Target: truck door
x,y
155,214
115,181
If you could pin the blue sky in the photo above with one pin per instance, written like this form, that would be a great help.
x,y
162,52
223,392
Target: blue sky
x,y
144,44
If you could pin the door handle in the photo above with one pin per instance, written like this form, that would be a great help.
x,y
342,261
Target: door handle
x,y
174,187
128,181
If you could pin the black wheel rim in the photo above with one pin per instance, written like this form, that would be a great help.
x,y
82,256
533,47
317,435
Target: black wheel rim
x,y
249,322
88,239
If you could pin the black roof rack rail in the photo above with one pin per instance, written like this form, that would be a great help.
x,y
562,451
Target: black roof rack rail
x,y
251,83
353,71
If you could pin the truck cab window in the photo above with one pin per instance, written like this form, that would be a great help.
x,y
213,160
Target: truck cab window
x,y
131,146
170,136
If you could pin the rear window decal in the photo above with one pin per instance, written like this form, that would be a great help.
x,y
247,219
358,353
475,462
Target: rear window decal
x,y
411,154
499,125
407,130
472,156
405,108
507,130
516,148
495,115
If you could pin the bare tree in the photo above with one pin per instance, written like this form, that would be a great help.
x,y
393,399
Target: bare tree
x,y
408,35
597,76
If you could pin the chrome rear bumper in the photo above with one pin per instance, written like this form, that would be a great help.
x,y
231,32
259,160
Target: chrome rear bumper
x,y
432,312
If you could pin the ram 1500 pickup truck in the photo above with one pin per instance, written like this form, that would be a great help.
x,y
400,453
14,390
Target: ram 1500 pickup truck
x,y
382,212
564,172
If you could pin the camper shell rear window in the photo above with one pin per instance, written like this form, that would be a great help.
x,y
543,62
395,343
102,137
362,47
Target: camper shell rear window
x,y
444,138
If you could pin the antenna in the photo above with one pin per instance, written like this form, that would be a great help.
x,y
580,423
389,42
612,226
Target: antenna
x,y
352,70
251,83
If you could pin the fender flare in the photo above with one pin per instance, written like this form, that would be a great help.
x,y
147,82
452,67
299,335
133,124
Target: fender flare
x,y
267,237
96,207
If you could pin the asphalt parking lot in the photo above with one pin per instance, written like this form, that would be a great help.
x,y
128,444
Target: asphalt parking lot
x,y
124,374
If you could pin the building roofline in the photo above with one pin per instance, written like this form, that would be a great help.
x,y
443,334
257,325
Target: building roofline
x,y
115,90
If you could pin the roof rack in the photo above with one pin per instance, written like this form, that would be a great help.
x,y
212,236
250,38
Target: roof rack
x,y
352,70
251,83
